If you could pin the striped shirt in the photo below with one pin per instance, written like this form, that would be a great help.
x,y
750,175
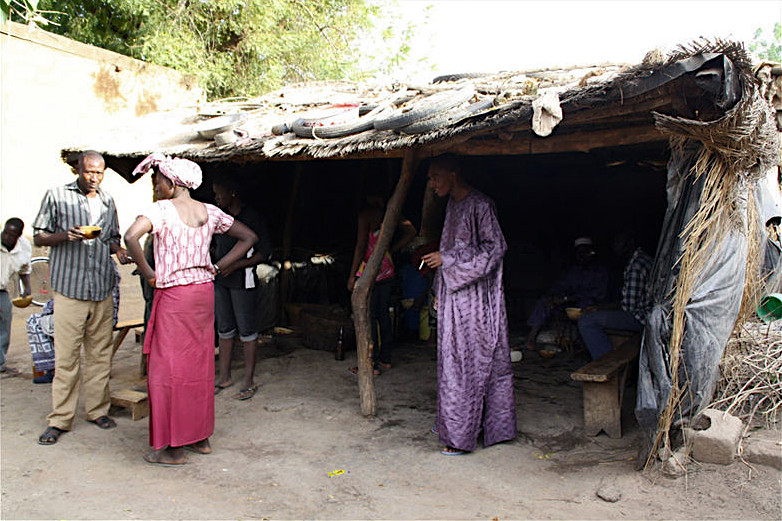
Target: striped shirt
x,y
79,269
636,299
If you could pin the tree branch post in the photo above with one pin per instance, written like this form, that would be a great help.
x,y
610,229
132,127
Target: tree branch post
x,y
361,293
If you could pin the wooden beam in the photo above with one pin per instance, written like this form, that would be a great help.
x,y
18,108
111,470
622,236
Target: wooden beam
x,y
361,292
524,143
287,238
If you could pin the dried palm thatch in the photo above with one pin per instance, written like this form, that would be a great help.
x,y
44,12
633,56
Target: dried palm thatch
x,y
735,150
751,374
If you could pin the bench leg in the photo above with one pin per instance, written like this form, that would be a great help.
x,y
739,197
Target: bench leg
x,y
602,408
118,338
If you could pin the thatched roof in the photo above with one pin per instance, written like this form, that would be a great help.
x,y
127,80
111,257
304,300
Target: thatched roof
x,y
602,105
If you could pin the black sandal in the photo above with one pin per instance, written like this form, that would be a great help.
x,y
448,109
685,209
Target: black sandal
x,y
50,436
104,422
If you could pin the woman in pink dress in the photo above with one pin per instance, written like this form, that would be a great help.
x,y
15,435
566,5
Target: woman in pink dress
x,y
179,341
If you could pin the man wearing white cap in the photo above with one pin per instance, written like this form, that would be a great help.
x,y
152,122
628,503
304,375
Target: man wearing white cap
x,y
584,284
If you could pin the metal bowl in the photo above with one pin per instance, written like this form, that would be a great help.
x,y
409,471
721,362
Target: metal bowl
x,y
210,128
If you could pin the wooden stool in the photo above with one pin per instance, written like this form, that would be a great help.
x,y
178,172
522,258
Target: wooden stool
x,y
136,401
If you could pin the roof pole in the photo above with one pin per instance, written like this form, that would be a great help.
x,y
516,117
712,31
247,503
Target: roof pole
x,y
287,239
363,288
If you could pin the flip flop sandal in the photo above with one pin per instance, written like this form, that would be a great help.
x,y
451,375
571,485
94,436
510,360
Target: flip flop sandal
x,y
450,451
246,394
10,372
154,459
434,430
104,422
219,388
50,436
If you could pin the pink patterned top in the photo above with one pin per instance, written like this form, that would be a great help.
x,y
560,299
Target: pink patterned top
x,y
182,251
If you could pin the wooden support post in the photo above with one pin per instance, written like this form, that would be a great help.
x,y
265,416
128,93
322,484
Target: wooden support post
x,y
287,239
361,292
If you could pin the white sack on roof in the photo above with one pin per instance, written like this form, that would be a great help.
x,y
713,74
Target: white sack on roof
x,y
546,113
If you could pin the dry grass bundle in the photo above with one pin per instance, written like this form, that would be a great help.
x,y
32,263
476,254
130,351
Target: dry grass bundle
x,y
735,150
750,386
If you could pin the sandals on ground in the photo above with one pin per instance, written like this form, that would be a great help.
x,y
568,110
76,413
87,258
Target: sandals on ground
x,y
450,451
50,436
104,422
219,387
246,394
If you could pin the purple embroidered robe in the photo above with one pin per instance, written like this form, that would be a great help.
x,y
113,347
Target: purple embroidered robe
x,y
475,380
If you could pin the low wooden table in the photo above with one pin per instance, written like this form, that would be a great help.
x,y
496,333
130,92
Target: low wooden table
x,y
604,384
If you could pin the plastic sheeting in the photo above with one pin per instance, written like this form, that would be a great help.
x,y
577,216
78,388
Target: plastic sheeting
x,y
710,313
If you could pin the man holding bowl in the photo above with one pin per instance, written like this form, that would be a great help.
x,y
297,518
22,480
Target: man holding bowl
x,y
78,221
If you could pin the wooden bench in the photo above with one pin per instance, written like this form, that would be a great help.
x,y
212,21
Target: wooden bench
x,y
122,329
604,384
136,401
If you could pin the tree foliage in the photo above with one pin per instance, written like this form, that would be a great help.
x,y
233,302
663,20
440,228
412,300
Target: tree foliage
x,y
771,49
233,47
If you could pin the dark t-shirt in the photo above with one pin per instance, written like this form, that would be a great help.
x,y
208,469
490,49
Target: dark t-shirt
x,y
223,243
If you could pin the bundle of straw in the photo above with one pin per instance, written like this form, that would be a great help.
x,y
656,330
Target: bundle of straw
x,y
750,386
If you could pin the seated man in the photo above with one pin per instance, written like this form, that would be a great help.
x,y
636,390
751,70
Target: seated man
x,y
585,284
635,305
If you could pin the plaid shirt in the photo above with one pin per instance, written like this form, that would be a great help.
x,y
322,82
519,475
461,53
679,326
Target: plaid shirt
x,y
635,291
80,270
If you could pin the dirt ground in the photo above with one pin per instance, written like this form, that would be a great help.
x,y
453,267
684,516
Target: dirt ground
x,y
300,449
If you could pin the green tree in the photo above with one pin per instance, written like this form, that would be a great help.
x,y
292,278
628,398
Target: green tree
x,y
770,50
233,47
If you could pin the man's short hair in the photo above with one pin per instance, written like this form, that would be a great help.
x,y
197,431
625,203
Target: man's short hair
x,y
84,155
449,162
15,222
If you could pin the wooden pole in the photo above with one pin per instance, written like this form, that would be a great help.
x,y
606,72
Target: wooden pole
x,y
287,238
361,292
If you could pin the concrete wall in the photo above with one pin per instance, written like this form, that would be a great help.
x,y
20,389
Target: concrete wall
x,y
57,92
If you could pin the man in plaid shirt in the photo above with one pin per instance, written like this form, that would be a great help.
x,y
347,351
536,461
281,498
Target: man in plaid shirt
x,y
635,305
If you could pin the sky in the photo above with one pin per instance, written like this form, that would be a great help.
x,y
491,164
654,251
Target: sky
x,y
499,35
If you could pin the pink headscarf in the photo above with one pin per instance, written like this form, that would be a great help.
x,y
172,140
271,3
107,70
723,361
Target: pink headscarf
x,y
181,172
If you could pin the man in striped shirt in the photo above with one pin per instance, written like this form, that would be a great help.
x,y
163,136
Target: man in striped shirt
x,y
82,277
635,305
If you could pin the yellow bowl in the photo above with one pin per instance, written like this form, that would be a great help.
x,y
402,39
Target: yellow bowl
x,y
573,313
546,353
22,302
90,232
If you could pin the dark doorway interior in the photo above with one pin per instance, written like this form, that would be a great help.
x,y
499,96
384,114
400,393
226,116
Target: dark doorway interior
x,y
544,203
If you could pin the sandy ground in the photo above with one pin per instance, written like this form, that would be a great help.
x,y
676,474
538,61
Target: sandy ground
x,y
282,454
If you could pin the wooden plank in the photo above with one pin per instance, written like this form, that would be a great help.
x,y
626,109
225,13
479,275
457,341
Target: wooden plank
x,y
128,324
136,401
603,369
524,143
602,408
123,328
